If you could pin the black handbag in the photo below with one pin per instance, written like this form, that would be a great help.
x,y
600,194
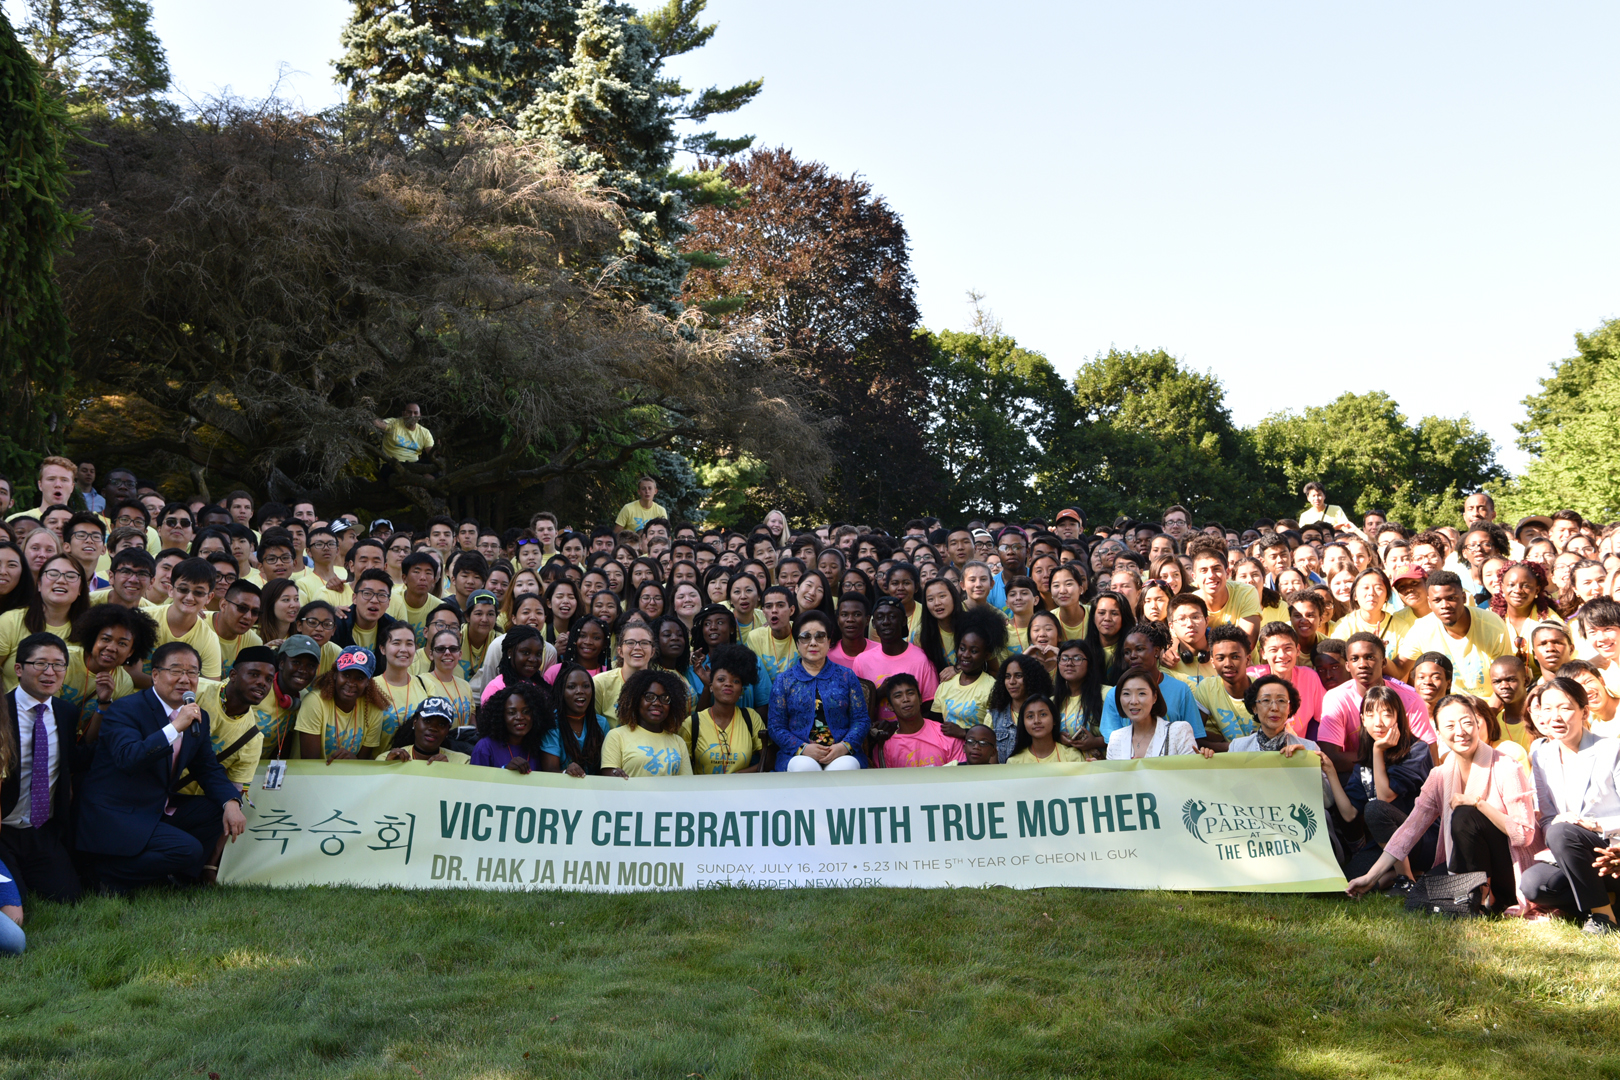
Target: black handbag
x,y
1455,896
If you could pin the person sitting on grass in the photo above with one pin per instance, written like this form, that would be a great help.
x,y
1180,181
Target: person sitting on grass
x,y
646,743
726,737
12,939
575,740
1037,740
1483,801
912,740
515,723
421,738
1139,700
1576,774
1382,786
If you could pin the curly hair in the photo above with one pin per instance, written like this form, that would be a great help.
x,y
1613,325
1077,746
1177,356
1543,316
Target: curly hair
x,y
639,683
141,626
1540,604
492,716
372,695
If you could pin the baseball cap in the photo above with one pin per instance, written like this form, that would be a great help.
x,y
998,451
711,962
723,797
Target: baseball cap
x,y
1411,573
437,706
982,534
300,645
381,523
339,526
482,596
357,658
1070,513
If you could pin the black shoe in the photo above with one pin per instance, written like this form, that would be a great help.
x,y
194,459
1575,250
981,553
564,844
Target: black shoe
x,y
1598,925
1402,888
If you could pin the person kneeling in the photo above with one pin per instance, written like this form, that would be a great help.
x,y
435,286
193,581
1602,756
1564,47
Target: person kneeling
x,y
129,812
421,738
911,740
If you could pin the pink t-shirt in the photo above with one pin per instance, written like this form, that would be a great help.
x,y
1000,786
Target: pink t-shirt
x,y
843,659
930,746
550,674
1310,698
874,665
1341,715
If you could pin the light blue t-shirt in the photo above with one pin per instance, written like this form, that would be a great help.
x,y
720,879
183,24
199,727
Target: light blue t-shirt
x,y
1178,702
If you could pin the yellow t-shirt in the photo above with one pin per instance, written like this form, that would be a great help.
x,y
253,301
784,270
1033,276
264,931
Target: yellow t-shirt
x,y
452,757
229,649
353,731
416,616
1391,628
472,660
964,704
12,631
632,516
201,637
1242,602
729,751
1061,753
458,692
775,654
403,700
274,722
608,684
1488,638
1074,633
329,654
640,752
312,587
405,444
1227,711
79,685
223,731
365,638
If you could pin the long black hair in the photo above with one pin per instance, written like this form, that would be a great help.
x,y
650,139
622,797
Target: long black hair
x,y
1036,681
1091,700
1022,740
570,653
587,747
516,636
492,716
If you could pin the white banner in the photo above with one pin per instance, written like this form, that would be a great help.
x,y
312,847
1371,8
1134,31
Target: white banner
x,y
1242,822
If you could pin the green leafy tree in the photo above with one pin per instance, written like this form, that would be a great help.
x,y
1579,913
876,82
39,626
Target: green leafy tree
x,y
1364,451
991,408
100,52
1144,433
35,228
1578,468
1562,394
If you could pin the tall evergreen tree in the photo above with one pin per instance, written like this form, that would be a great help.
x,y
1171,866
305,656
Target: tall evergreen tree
x,y
34,229
586,75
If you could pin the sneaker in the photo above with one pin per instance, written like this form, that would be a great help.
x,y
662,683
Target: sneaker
x,y
1598,924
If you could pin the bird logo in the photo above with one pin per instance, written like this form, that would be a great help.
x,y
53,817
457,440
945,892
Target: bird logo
x,y
1307,820
1191,811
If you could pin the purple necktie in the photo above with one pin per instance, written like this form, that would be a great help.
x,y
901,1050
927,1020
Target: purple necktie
x,y
39,792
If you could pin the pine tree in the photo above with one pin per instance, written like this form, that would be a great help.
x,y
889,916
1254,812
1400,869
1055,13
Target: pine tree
x,y
100,52
34,229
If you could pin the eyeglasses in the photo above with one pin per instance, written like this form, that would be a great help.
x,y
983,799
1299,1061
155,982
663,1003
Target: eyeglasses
x,y
655,698
181,673
980,742
57,666
61,575
638,644
323,545
372,594
84,534
194,594
134,572
177,522
811,637
318,624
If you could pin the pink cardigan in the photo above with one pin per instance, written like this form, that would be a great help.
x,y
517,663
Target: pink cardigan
x,y
1497,779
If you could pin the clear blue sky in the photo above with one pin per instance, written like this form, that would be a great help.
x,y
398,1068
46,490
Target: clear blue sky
x,y
1303,199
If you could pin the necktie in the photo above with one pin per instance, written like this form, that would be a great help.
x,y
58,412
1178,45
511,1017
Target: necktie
x,y
39,777
174,763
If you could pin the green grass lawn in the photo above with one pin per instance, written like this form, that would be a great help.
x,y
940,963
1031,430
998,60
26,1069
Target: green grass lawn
x,y
258,983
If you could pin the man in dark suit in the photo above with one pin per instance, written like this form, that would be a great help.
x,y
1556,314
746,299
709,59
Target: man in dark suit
x,y
129,811
37,792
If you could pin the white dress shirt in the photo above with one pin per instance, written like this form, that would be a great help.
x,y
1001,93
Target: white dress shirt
x,y
21,814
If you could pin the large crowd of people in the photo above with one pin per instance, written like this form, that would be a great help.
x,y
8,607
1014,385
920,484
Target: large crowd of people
x,y
1458,685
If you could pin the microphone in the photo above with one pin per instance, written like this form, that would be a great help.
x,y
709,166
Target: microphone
x,y
188,698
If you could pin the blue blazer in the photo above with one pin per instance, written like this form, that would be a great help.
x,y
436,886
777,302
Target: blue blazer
x,y
122,799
